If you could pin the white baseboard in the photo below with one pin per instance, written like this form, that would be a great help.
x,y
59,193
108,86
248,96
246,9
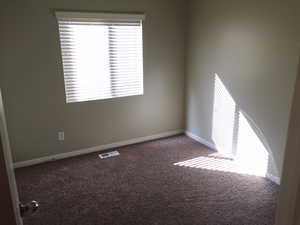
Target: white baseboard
x,y
273,178
201,140
96,149
269,176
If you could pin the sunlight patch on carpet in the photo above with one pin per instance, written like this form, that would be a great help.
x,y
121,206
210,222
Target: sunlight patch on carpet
x,y
223,164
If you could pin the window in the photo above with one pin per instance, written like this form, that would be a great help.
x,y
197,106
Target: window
x,y
102,55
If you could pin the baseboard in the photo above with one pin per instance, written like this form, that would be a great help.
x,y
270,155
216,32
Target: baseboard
x,y
273,178
269,176
201,140
96,149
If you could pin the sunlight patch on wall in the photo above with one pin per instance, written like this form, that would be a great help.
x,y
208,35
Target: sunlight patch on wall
x,y
223,118
235,136
251,154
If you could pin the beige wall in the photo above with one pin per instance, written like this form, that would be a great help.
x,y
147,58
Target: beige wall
x,y
253,46
33,88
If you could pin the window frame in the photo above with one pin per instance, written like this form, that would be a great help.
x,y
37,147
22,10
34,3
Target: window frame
x,y
100,17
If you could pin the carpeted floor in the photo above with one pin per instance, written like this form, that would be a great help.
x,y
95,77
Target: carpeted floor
x,y
144,186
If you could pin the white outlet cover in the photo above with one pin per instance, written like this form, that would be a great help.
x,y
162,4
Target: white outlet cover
x,y
61,136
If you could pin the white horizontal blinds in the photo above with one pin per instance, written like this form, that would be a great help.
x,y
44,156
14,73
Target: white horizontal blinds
x,y
101,58
125,45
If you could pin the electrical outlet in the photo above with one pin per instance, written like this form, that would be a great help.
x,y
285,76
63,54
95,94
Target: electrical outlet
x,y
61,135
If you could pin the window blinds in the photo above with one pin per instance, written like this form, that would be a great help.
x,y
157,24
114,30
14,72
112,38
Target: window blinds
x,y
102,55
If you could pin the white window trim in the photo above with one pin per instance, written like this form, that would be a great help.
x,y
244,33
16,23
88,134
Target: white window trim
x,y
89,16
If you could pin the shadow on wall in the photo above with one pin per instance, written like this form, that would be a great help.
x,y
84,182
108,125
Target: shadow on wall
x,y
241,145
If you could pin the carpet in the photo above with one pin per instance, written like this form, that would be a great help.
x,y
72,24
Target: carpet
x,y
145,186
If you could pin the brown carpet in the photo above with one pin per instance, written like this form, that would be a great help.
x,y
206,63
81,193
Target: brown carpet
x,y
142,186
